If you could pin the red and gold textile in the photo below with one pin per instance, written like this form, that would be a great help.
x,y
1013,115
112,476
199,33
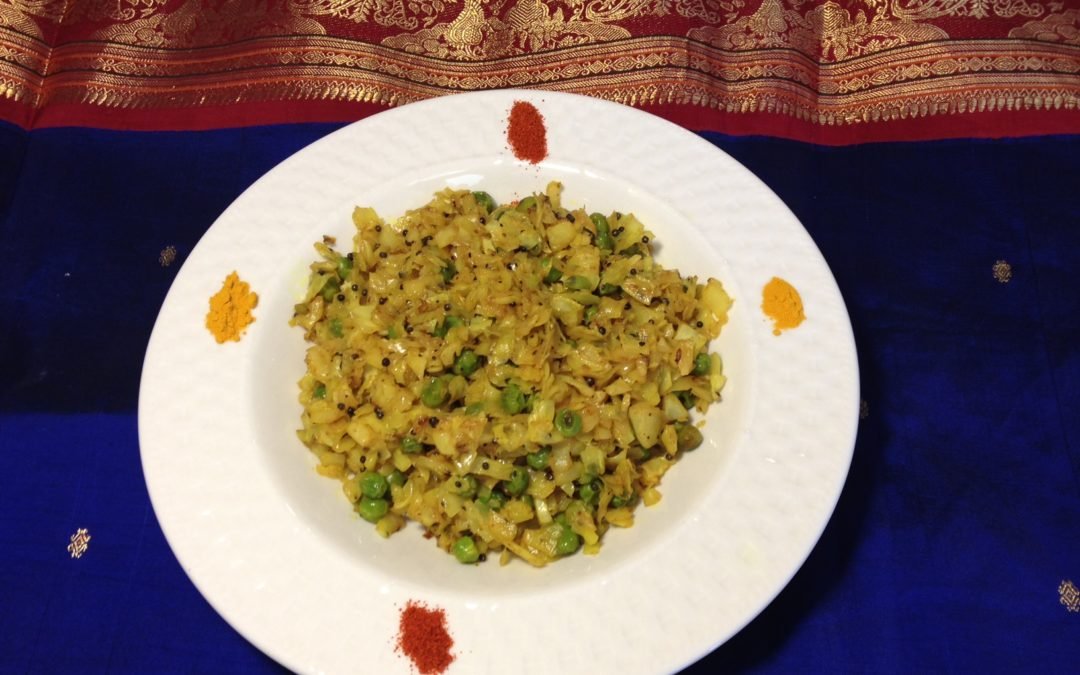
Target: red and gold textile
x,y
831,72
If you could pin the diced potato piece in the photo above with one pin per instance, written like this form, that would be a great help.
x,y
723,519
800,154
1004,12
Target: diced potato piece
x,y
651,496
561,234
716,302
647,421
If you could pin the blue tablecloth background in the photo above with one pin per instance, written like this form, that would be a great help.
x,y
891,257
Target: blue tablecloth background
x,y
958,524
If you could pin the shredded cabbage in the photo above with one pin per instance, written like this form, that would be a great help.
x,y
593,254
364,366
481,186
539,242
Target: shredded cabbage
x,y
522,375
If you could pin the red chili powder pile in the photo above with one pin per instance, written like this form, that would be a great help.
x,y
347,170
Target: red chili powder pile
x,y
526,132
422,636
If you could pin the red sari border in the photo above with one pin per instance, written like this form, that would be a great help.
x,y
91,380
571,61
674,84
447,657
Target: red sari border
x,y
821,72
985,125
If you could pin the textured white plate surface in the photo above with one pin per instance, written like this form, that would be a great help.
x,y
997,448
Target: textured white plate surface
x,y
277,550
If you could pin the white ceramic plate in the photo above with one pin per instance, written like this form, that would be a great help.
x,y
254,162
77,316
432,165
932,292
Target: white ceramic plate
x,y
277,550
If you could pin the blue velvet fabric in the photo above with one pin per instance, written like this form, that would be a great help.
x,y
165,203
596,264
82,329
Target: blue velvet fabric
x,y
959,521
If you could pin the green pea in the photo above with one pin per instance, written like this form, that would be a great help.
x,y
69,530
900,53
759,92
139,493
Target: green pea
x,y
590,313
526,204
539,460
330,289
617,502
687,399
513,399
344,266
587,493
563,520
336,329
484,201
568,542
320,391
411,446
604,290
449,271
396,478
372,484
688,437
466,363
568,423
474,408
434,393
518,483
372,509
702,364
465,550
603,232
466,486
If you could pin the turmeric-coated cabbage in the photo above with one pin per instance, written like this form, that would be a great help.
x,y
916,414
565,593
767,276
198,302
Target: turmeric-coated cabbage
x,y
516,378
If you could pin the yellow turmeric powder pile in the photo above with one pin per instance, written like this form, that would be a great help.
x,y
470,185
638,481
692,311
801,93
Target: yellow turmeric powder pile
x,y
781,303
230,309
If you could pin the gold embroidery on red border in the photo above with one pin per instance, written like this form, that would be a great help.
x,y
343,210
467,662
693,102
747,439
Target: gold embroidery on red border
x,y
915,81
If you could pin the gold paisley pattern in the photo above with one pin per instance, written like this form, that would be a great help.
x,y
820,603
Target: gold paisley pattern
x,y
1063,28
113,10
921,10
203,22
711,11
29,16
528,26
771,26
827,32
198,23
407,15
